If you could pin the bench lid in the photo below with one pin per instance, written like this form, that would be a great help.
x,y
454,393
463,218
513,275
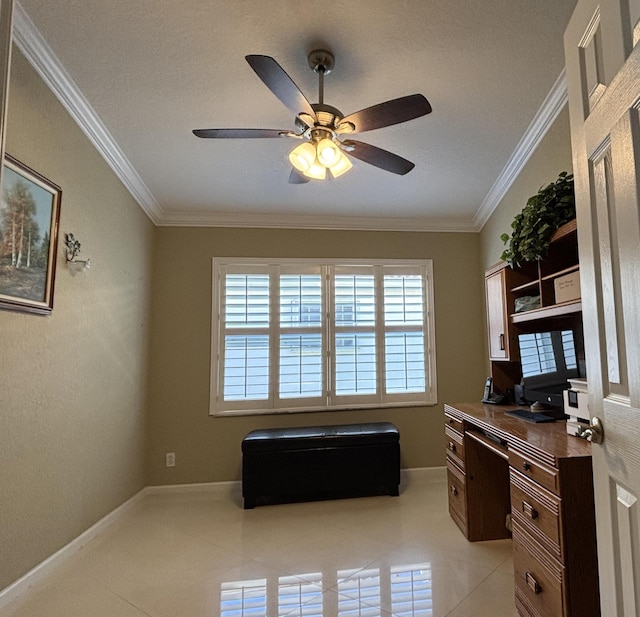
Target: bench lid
x,y
338,435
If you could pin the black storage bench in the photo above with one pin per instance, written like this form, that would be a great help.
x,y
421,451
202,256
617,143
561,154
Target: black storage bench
x,y
349,459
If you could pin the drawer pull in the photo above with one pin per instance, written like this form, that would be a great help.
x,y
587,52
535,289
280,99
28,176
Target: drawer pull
x,y
526,466
452,446
501,342
532,583
454,490
529,510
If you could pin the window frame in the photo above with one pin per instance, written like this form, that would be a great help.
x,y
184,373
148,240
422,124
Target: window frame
x,y
328,400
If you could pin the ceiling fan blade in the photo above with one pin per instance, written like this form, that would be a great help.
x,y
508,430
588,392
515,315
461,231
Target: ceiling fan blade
x,y
386,114
378,157
277,80
295,177
240,133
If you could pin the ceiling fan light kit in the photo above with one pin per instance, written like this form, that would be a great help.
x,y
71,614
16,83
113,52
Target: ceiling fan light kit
x,y
313,158
322,125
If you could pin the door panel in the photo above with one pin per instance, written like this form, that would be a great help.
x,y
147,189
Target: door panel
x,y
603,77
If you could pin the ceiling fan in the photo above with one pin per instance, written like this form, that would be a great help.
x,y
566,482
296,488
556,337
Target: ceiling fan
x,y
323,127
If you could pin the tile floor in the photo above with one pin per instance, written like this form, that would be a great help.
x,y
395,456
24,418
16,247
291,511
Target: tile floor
x,y
199,554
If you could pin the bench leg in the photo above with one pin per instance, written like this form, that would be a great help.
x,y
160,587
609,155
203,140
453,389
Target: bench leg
x,y
394,490
249,503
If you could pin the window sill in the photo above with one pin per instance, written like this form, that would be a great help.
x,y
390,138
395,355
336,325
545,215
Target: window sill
x,y
272,412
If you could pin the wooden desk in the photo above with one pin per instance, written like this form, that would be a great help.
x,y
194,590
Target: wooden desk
x,y
541,477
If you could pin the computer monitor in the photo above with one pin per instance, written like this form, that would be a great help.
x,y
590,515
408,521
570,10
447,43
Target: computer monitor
x,y
548,360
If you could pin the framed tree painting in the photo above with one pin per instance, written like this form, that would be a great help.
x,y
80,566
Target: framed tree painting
x,y
29,218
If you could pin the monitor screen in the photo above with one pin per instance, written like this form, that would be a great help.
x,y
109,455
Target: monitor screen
x,y
548,358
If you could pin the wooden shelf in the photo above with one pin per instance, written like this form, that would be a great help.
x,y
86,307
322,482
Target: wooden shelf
x,y
546,312
530,285
566,230
555,275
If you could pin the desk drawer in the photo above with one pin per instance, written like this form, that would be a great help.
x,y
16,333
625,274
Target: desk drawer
x,y
454,423
456,483
455,446
539,579
542,474
538,511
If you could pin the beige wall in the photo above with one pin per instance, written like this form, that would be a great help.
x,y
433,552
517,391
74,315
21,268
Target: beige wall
x,y
73,384
207,448
552,156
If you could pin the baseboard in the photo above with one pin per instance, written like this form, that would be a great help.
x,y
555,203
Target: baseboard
x,y
44,568
233,488
436,474
223,487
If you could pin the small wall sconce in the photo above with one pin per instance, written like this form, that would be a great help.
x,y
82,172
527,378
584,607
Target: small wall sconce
x,y
73,250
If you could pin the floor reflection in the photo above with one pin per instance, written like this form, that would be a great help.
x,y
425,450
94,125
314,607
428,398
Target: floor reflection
x,y
406,591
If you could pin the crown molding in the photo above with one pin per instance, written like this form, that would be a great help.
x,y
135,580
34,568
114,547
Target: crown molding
x,y
550,109
37,51
302,221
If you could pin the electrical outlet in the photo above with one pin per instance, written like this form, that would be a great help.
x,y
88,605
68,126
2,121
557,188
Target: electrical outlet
x,y
170,459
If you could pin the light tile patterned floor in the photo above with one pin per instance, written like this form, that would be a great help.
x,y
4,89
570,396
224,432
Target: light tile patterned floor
x,y
199,554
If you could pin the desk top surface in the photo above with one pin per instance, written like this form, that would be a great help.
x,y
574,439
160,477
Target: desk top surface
x,y
548,441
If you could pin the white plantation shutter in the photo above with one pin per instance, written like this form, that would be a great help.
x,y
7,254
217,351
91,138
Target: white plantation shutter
x,y
246,320
301,343
311,334
354,324
404,308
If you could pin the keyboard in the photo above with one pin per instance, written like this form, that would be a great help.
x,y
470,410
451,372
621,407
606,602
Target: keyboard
x,y
530,416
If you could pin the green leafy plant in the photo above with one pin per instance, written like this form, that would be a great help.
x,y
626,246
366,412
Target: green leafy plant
x,y
552,206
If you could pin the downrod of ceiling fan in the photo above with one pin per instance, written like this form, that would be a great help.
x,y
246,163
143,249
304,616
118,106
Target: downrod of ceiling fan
x,y
322,62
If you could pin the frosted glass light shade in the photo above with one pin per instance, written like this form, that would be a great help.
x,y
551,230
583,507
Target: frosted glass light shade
x,y
328,153
316,171
302,157
343,165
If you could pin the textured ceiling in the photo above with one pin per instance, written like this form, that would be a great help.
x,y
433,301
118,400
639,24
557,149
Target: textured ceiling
x,y
153,70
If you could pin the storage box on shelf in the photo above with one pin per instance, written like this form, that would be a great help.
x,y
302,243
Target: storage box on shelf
x,y
567,287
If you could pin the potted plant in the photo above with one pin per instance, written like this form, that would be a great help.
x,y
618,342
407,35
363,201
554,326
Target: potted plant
x,y
552,206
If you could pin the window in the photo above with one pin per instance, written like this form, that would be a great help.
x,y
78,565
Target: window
x,y
302,335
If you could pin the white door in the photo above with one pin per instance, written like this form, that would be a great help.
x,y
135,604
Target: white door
x,y
603,77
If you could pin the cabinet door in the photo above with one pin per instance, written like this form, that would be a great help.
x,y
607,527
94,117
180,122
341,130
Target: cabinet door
x,y
497,316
